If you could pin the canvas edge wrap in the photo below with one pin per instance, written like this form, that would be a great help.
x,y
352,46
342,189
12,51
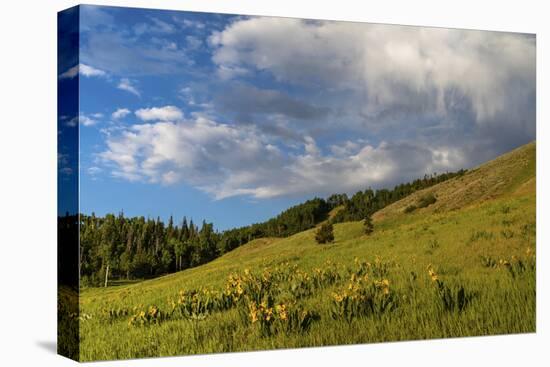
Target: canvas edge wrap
x,y
68,313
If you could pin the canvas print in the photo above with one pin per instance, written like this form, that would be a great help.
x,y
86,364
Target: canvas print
x,y
237,183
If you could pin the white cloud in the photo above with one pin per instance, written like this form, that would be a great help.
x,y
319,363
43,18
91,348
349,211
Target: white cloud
x,y
166,113
94,170
193,43
390,66
83,69
348,148
70,73
225,161
198,152
120,113
128,85
89,71
121,53
85,120
155,26
188,23
72,122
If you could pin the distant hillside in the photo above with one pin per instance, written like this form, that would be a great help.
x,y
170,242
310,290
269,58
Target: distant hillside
x,y
506,174
116,247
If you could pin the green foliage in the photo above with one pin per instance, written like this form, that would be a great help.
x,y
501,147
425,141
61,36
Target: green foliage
x,y
68,322
480,235
139,248
362,297
507,234
198,304
426,200
272,318
433,244
369,227
365,203
151,316
325,233
453,298
488,261
326,275
423,202
517,267
114,314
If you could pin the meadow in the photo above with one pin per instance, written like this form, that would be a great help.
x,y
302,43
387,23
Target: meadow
x,y
464,265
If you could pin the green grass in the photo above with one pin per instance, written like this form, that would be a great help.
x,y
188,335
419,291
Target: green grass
x,y
487,214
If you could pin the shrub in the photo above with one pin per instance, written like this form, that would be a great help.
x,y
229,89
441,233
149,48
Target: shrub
x,y
198,304
369,227
488,261
300,285
325,233
517,266
363,297
153,315
271,318
113,314
409,209
376,269
426,200
452,298
326,276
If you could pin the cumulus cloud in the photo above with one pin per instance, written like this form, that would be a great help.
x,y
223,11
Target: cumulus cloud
x,y
120,113
166,113
87,121
388,67
82,69
128,85
233,160
334,107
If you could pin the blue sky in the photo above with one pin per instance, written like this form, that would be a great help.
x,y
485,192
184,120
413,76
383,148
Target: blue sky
x,y
233,119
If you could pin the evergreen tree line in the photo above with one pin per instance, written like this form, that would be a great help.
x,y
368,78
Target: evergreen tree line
x,y
117,247
365,203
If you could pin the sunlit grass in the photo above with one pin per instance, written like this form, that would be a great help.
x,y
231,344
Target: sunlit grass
x,y
428,257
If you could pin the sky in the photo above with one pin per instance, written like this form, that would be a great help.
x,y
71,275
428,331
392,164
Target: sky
x,y
232,119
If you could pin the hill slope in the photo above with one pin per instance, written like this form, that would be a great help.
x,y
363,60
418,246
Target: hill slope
x,y
481,218
503,175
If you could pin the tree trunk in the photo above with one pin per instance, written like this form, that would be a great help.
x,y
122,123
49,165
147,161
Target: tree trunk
x,y
106,275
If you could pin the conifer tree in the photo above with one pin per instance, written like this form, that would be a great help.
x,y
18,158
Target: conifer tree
x,y
369,227
325,233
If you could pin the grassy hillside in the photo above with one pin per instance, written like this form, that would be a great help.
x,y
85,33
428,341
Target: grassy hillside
x,y
461,266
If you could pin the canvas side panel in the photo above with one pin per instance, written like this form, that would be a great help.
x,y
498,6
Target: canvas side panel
x,y
67,183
